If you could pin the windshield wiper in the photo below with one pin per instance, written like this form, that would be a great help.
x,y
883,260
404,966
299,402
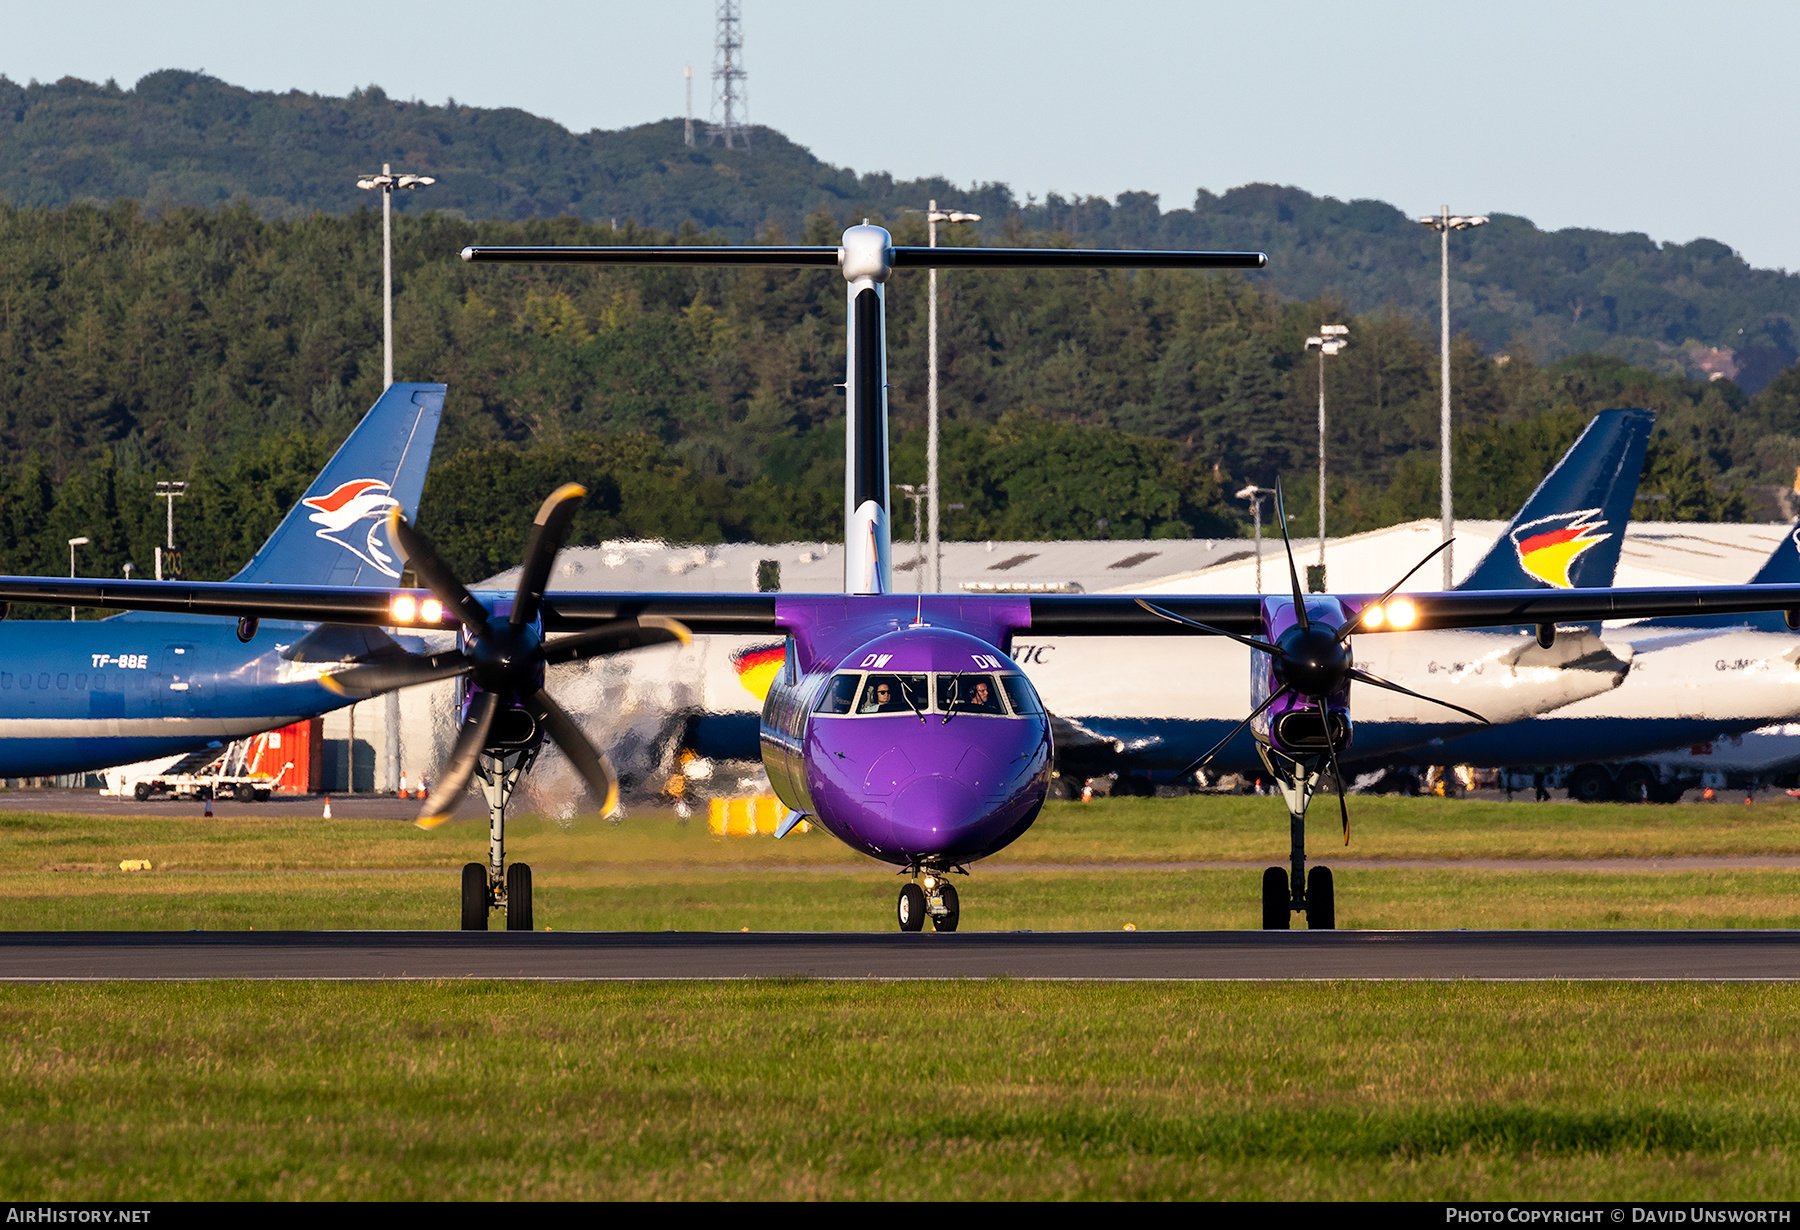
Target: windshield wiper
x,y
950,712
907,693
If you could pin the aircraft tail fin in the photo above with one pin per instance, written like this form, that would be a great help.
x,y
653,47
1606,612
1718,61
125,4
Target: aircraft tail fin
x,y
337,533
1569,533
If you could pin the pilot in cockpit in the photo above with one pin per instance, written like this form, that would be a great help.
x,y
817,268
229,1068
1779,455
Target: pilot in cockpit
x,y
893,694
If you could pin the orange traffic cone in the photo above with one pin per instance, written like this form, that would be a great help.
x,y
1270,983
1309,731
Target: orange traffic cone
x,y
327,807
403,783
421,792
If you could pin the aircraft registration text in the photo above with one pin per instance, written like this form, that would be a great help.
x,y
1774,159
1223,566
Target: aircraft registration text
x,y
127,661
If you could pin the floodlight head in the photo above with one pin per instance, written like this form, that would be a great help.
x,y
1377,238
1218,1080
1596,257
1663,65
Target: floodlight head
x,y
1314,341
1334,330
78,542
415,181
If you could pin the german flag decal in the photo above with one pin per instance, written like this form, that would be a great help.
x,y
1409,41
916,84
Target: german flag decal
x,y
1549,546
756,667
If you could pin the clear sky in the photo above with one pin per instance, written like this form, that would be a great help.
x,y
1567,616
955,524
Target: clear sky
x,y
1676,119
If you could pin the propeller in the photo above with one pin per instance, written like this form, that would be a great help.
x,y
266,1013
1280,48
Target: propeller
x,y
505,658
1310,659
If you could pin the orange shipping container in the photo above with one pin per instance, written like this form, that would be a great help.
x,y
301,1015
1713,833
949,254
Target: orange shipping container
x,y
294,756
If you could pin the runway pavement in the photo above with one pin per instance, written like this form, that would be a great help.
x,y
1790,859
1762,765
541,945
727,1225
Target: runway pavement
x,y
1194,955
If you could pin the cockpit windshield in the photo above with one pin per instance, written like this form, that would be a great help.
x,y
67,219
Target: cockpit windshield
x,y
968,694
840,697
950,694
895,694
1019,691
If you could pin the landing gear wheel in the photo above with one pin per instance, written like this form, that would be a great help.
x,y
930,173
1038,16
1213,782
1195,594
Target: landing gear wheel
x,y
1321,900
952,910
1590,784
475,897
911,909
1276,915
1637,784
518,898
141,792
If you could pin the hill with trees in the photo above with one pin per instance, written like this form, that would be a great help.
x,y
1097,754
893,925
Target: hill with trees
x,y
180,138
236,352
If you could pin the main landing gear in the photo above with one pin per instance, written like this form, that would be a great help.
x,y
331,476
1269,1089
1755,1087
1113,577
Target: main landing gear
x,y
1293,890
497,886
930,896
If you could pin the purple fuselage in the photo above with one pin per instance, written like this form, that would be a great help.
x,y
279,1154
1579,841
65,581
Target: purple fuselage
x,y
922,746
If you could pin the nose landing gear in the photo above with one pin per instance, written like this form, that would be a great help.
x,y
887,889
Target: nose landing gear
x,y
933,897
1290,891
497,886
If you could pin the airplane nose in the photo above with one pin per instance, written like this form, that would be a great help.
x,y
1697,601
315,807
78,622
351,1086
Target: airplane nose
x,y
932,812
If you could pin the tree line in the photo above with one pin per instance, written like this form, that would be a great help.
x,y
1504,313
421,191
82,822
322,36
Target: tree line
x,y
235,352
179,138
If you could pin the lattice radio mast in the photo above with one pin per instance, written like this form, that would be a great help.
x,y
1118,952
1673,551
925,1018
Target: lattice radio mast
x,y
731,107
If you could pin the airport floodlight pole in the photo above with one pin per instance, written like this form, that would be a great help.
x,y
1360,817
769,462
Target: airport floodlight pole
x,y
170,492
1331,339
73,543
933,216
387,181
1255,495
1443,223
915,494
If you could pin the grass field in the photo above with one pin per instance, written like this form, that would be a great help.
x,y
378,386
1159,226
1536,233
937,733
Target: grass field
x,y
1007,1090
900,1091
649,873
1106,830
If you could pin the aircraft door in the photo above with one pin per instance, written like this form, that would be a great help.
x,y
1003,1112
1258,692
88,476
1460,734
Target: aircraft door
x,y
179,684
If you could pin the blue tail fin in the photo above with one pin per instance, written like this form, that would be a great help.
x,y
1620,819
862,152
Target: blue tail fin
x,y
1569,533
1781,568
337,533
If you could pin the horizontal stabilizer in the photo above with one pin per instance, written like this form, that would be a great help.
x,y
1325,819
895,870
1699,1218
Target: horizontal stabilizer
x,y
900,258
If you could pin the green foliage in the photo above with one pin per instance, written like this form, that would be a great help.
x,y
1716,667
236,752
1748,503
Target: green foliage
x,y
182,138
236,352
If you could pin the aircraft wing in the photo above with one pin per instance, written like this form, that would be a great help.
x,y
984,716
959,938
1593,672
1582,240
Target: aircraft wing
x,y
1121,615
563,612
1055,614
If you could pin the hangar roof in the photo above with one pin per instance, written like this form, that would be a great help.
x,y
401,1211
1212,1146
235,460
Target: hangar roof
x,y
1654,553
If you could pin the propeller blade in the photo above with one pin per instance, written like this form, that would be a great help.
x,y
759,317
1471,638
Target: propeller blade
x,y
454,776
1183,620
1356,623
548,533
616,637
422,557
1299,598
1363,676
1337,775
588,760
1254,714
372,677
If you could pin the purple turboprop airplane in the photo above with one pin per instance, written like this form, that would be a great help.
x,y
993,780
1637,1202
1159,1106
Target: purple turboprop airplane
x,y
900,724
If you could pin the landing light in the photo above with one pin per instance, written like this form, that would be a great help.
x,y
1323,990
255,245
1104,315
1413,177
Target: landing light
x,y
431,610
930,882
403,609
1374,617
1401,613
